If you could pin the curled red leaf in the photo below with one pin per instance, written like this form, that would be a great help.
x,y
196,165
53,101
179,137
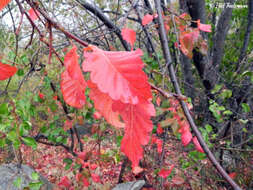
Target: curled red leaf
x,y
72,82
204,27
197,145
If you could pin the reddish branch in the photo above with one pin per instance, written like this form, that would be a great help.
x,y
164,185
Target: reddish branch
x,y
166,52
55,24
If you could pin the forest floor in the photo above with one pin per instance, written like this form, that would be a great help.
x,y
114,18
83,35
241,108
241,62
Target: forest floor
x,y
103,158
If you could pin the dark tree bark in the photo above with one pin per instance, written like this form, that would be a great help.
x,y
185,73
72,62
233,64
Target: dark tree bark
x,y
186,65
247,33
220,35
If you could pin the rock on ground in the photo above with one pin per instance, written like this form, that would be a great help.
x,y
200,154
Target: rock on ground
x,y
135,185
9,173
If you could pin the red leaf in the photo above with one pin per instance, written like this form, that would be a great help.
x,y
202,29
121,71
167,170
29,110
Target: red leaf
x,y
153,139
197,145
119,74
159,144
81,155
184,125
137,129
93,166
97,115
86,182
147,19
33,14
186,138
78,176
159,129
103,103
6,71
95,178
72,82
187,42
129,35
41,95
165,173
65,182
204,27
3,3
67,125
55,97
232,175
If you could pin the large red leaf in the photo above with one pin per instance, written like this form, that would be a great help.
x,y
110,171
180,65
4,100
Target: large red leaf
x,y
129,35
72,82
6,71
137,128
3,3
119,74
103,103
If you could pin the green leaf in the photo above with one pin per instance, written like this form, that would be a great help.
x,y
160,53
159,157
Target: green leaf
x,y
24,59
118,140
35,185
29,141
216,88
2,142
68,160
20,72
245,107
27,125
209,128
4,109
17,182
59,139
227,112
244,121
226,94
12,135
35,176
16,144
244,130
53,106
